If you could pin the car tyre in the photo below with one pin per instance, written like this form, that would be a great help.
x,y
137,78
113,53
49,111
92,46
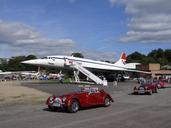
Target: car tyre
x,y
156,90
107,102
135,93
158,86
151,92
73,107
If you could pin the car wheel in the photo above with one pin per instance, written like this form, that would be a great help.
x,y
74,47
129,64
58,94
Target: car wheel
x,y
135,93
158,86
151,92
73,107
156,90
107,102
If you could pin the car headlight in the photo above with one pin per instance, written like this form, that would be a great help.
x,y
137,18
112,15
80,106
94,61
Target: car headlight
x,y
63,99
51,98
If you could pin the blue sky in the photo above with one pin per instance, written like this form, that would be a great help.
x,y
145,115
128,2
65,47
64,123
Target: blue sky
x,y
100,29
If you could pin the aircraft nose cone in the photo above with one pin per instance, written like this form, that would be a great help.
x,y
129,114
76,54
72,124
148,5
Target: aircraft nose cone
x,y
34,62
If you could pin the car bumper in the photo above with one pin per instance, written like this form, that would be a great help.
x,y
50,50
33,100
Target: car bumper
x,y
160,86
55,105
141,91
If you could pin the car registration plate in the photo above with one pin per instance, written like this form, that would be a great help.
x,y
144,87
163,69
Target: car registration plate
x,y
141,90
56,104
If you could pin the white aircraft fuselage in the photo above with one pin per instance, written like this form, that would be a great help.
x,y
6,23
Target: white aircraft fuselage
x,y
63,61
82,65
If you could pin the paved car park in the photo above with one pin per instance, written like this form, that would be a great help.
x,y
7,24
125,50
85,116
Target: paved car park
x,y
149,111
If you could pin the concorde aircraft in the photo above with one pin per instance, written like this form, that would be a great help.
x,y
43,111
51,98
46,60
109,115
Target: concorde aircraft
x,y
83,65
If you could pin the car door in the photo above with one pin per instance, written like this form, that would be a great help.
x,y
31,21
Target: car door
x,y
94,98
84,99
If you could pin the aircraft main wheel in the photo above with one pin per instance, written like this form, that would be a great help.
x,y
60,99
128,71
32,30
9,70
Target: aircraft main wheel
x,y
106,102
74,106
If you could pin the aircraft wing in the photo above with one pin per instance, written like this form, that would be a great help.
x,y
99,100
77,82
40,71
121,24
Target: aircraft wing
x,y
138,71
5,73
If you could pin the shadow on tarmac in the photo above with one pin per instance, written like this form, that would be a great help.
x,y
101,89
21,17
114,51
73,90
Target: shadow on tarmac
x,y
65,110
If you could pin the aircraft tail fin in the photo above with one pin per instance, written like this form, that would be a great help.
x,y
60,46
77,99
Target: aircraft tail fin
x,y
122,60
123,56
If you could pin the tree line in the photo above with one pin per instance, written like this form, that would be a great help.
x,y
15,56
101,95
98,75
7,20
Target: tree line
x,y
155,56
14,64
160,56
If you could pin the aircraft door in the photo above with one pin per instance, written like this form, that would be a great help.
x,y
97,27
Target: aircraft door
x,y
66,62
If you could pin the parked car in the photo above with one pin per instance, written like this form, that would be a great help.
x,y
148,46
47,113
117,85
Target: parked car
x,y
160,84
141,80
84,97
121,77
146,88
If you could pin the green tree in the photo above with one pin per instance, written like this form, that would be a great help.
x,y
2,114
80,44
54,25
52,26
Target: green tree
x,y
15,64
156,54
3,64
163,61
147,60
29,57
77,54
30,67
135,57
168,55
161,56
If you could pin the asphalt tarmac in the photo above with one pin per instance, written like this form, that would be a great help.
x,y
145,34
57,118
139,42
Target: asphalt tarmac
x,y
128,111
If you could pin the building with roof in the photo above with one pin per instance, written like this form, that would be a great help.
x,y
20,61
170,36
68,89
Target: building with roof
x,y
156,70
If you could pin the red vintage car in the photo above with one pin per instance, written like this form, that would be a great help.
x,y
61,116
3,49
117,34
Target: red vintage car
x,y
84,97
146,88
160,84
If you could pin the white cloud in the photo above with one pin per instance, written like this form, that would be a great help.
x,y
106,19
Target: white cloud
x,y
100,55
20,38
150,20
